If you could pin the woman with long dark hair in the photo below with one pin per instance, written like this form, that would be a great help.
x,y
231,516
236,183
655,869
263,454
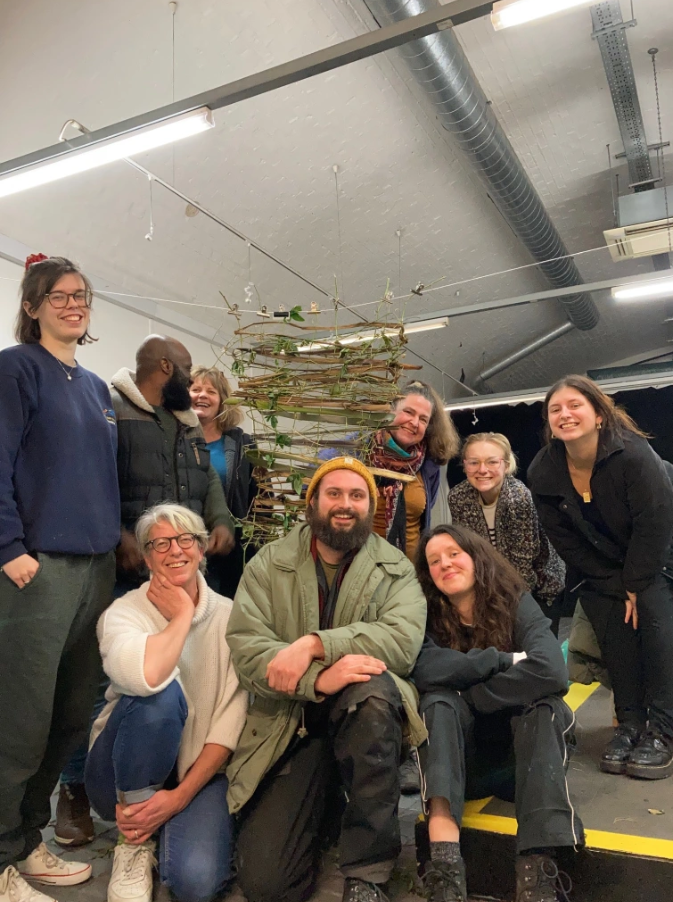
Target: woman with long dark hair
x,y
59,525
606,502
491,677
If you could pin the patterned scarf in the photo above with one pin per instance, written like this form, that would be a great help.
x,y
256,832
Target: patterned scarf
x,y
386,454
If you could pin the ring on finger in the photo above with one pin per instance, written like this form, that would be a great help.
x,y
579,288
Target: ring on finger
x,y
137,835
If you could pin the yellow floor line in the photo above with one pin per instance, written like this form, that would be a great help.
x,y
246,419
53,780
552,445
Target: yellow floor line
x,y
579,693
596,839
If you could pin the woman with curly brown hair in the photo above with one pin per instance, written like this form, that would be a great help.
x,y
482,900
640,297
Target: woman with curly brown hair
x,y
491,677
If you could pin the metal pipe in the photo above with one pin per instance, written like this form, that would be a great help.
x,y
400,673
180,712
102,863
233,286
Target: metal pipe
x,y
440,66
528,349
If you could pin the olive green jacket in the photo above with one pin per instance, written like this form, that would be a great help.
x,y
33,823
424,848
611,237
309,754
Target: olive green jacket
x,y
380,611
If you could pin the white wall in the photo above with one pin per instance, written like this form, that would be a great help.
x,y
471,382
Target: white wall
x,y
119,331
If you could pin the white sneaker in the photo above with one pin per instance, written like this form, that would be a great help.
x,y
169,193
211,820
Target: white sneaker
x,y
43,866
131,879
13,888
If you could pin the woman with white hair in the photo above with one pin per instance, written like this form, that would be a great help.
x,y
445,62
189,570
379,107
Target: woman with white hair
x,y
174,714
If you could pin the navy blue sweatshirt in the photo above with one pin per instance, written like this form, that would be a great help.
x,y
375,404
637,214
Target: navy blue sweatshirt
x,y
58,458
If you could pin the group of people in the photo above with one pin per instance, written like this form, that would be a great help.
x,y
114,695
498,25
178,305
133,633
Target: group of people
x,y
250,734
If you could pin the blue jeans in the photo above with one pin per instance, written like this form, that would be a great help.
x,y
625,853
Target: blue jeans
x,y
133,758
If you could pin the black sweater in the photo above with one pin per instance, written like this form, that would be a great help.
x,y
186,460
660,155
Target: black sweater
x,y
634,497
486,678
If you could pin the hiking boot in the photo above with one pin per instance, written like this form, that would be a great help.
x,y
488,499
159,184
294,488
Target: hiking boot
x,y
44,867
131,878
618,751
410,778
74,826
538,879
13,888
361,891
652,758
445,881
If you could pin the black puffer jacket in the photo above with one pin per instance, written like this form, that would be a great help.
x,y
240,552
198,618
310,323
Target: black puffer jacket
x,y
150,471
634,496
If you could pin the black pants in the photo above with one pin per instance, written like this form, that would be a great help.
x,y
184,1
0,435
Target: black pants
x,y
519,755
639,662
50,670
354,745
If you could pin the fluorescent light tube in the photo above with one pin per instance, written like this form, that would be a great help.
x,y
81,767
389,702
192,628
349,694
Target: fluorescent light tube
x,y
353,338
103,152
662,288
507,13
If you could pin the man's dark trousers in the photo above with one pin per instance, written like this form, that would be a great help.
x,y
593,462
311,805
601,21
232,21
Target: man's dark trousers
x,y
354,743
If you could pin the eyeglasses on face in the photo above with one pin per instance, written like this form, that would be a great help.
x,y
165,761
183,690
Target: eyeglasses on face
x,y
184,540
472,465
59,299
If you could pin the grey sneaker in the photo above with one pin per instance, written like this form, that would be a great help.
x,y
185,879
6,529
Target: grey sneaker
x,y
445,881
538,879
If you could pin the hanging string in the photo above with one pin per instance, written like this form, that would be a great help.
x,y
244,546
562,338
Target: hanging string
x,y
173,5
335,169
399,260
150,234
653,53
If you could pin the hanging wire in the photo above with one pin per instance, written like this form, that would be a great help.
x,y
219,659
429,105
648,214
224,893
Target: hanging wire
x,y
150,234
173,5
653,53
335,169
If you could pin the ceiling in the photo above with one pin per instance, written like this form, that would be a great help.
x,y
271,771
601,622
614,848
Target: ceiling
x,y
267,168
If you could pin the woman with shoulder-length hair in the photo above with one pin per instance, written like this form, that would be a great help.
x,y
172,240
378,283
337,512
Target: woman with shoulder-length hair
x,y
420,439
174,714
59,525
606,502
499,507
227,444
491,677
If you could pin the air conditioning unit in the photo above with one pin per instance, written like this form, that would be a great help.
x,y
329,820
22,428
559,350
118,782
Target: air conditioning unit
x,y
643,239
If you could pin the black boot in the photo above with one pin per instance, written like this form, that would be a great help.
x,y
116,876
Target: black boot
x,y
362,891
410,778
618,751
445,881
538,879
652,758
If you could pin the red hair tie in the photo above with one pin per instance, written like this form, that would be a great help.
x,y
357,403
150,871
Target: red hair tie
x,y
35,258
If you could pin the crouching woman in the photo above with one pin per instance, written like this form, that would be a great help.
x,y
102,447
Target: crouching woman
x,y
491,677
174,714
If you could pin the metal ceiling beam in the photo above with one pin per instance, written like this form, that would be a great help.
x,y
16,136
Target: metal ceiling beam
x,y
361,47
535,297
610,34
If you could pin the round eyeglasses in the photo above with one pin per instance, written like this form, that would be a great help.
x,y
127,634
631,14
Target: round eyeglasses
x,y
184,540
472,465
59,299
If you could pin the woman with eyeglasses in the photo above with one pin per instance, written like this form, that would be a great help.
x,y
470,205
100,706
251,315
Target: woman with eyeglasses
x,y
174,715
500,508
59,525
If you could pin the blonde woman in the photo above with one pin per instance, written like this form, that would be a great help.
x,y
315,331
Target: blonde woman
x,y
227,443
497,506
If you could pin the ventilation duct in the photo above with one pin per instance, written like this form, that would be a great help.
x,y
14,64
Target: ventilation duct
x,y
440,66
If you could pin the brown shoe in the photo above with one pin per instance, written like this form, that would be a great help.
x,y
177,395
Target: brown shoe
x,y
74,826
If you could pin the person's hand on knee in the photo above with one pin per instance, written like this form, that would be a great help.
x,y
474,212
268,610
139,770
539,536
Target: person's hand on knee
x,y
347,670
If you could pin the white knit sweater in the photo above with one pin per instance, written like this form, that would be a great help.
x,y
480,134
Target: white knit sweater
x,y
217,705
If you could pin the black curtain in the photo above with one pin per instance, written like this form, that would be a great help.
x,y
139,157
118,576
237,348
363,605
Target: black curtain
x,y
651,408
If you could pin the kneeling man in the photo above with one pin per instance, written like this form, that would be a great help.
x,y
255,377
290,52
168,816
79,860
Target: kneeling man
x,y
327,623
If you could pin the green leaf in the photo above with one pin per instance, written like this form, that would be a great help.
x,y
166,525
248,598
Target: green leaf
x,y
295,314
283,440
297,483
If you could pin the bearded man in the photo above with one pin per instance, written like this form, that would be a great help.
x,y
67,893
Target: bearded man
x,y
326,626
